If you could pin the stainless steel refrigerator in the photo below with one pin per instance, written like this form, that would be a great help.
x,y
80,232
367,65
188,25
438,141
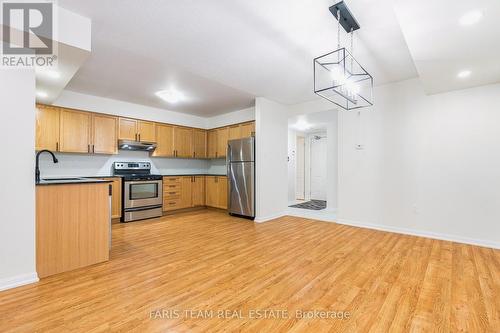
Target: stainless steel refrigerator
x,y
241,176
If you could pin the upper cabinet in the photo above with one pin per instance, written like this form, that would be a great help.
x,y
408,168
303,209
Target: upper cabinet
x,y
247,129
165,141
183,141
75,133
104,134
234,132
146,131
47,128
222,137
72,131
199,143
212,144
137,130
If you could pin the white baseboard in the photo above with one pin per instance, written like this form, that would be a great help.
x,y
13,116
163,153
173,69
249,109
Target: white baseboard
x,y
269,218
17,281
420,233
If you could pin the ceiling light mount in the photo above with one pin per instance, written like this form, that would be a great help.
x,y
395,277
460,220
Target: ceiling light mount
x,y
347,20
338,76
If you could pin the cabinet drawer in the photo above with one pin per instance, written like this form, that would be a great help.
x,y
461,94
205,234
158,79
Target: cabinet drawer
x,y
171,187
171,180
171,204
172,194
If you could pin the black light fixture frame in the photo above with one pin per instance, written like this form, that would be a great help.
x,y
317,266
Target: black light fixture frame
x,y
345,18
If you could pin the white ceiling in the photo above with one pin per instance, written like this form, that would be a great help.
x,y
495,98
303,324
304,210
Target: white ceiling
x,y
223,53
441,47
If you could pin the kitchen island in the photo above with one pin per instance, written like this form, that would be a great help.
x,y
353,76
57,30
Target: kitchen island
x,y
72,224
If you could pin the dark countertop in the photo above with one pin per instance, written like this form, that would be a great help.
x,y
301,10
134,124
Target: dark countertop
x,y
70,180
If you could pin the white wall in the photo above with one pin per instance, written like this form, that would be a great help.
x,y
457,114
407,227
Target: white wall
x,y
79,101
235,117
271,120
17,192
431,164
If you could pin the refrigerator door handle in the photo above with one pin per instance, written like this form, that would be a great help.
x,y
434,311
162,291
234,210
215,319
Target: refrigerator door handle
x,y
228,171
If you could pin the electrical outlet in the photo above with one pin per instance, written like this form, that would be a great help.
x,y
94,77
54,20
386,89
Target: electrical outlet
x,y
359,146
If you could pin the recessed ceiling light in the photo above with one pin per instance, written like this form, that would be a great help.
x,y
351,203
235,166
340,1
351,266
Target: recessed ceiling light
x,y
471,17
464,74
42,94
170,96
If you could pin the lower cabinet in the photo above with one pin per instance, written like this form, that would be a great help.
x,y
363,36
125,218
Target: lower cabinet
x,y
216,191
181,192
116,197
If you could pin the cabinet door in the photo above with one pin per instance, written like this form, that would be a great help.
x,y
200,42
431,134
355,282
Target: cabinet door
x,y
104,134
127,129
248,129
221,192
198,191
47,128
234,132
199,143
210,191
186,195
146,131
165,141
183,139
75,132
212,144
222,136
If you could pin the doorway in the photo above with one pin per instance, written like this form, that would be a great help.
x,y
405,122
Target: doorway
x,y
317,164
300,181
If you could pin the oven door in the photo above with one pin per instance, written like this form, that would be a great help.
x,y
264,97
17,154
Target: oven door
x,y
143,193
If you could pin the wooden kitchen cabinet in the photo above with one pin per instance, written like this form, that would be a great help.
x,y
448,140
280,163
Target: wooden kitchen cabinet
x,y
199,143
116,196
222,137
186,200
234,132
216,191
47,128
127,129
104,134
247,129
198,191
165,141
212,144
146,131
75,131
72,226
137,130
183,142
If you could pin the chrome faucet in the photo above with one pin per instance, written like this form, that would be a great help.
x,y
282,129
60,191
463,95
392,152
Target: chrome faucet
x,y
37,168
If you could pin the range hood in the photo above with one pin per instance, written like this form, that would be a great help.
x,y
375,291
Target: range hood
x,y
136,145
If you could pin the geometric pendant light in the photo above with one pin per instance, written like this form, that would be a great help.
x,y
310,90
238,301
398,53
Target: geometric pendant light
x,y
338,77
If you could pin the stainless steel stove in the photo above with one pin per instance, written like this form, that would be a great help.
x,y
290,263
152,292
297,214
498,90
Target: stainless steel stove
x,y
142,192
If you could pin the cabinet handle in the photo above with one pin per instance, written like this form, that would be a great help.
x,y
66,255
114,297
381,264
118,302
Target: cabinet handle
x,y
93,149
215,154
135,136
194,154
139,136
57,146
172,192
88,148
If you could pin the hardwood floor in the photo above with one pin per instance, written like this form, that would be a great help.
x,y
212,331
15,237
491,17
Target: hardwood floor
x,y
206,260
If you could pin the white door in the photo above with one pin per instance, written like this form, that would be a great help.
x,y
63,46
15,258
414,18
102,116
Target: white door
x,y
300,169
318,167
